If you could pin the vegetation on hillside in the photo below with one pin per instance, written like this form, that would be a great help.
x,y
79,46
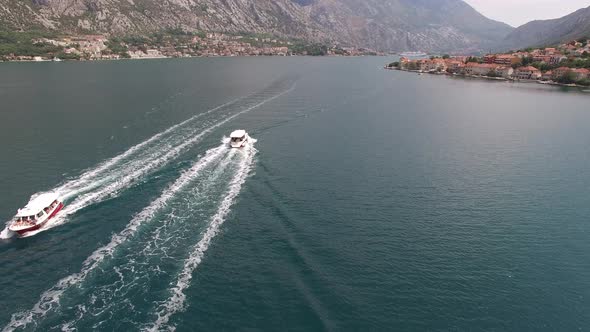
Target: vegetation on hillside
x,y
21,43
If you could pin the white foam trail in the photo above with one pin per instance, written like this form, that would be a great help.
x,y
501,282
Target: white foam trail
x,y
134,262
141,170
89,175
6,233
177,301
88,181
154,164
50,298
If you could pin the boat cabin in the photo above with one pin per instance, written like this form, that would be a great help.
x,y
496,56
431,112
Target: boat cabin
x,y
237,138
37,209
238,135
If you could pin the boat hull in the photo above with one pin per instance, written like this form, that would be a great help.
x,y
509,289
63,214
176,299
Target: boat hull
x,y
24,231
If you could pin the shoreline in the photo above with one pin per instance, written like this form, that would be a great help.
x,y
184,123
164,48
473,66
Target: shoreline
x,y
488,78
188,57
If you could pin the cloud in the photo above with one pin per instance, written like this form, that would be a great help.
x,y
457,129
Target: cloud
x,y
518,12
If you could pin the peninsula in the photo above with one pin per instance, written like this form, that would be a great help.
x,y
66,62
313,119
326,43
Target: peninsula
x,y
565,64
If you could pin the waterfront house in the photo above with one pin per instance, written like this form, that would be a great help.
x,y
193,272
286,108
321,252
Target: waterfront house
x,y
507,60
436,65
547,76
581,73
479,69
527,73
490,58
504,71
423,65
542,58
454,66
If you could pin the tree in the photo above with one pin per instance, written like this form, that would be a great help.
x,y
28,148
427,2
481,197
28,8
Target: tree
x,y
567,78
393,65
446,56
68,56
542,66
527,60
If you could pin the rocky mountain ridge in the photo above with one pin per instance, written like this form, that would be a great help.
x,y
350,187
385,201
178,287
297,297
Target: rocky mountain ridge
x,y
392,25
550,32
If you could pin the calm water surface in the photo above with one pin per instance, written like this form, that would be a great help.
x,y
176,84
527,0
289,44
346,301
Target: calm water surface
x,y
371,200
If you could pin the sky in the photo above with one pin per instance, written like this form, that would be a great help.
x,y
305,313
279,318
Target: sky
x,y
519,12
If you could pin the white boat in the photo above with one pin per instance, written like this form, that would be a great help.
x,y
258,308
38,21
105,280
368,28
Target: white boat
x,y
413,54
238,139
36,213
56,59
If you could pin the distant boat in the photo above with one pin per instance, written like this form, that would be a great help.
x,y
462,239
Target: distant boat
x,y
238,139
413,54
56,59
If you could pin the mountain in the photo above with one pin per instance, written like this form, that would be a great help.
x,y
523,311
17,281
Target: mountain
x,y
429,25
550,32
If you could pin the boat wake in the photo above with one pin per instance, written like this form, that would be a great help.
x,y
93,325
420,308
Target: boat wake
x,y
177,301
113,176
165,250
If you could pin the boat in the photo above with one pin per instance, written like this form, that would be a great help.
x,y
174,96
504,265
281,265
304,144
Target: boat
x,y
238,139
56,59
413,54
36,213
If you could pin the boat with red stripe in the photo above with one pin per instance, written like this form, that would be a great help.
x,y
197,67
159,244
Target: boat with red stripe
x,y
36,213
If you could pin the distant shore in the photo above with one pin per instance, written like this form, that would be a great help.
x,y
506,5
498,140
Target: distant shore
x,y
489,78
184,57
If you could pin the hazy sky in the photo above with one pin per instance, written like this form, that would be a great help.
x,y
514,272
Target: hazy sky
x,y
518,12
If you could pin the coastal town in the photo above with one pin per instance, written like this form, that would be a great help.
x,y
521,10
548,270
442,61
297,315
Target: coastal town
x,y
169,44
567,64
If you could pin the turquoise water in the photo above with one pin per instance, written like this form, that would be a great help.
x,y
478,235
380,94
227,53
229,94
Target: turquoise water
x,y
370,199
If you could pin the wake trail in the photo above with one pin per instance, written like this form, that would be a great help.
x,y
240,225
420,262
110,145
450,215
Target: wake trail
x,y
109,170
50,299
154,164
116,290
88,176
177,301
111,177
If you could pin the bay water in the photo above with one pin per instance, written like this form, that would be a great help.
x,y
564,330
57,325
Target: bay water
x,y
367,200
